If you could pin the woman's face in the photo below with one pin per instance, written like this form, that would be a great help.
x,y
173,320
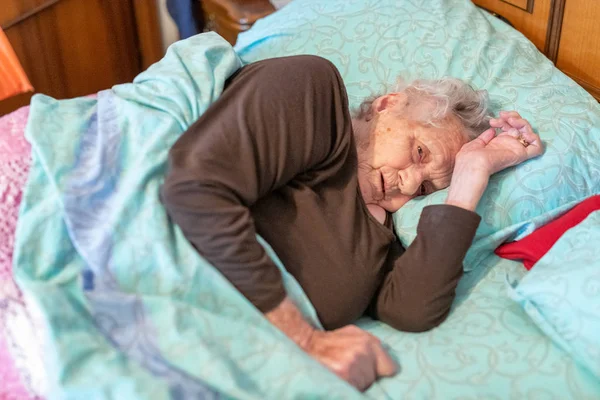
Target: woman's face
x,y
403,159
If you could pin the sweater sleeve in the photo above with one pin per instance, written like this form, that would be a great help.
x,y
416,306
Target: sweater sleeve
x,y
276,120
416,295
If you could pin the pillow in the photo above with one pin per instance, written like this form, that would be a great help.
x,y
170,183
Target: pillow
x,y
372,43
562,293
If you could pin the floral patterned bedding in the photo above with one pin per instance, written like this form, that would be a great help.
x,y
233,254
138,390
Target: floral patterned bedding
x,y
21,370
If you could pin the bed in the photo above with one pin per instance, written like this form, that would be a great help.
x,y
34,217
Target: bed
x,y
169,326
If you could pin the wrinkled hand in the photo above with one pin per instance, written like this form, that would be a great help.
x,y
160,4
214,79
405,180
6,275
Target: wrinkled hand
x,y
514,144
353,354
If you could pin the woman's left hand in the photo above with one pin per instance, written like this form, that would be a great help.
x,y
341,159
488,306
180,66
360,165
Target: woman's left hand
x,y
490,153
514,144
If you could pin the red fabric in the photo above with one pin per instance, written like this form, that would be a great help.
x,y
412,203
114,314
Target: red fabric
x,y
533,247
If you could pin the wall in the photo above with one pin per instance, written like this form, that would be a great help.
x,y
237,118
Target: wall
x,y
168,28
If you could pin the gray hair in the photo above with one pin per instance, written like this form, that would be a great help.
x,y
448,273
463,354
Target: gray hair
x,y
442,97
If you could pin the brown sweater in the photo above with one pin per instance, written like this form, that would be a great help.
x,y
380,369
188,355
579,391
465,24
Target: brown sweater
x,y
275,155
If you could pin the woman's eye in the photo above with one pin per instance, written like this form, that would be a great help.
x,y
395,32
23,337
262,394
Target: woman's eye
x,y
420,152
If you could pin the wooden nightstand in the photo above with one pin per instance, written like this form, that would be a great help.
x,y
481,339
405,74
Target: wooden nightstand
x,y
71,48
230,17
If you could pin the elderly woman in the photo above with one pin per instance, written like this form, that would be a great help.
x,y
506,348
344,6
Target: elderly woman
x,y
278,154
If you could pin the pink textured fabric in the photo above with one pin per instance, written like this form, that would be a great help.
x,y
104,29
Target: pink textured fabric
x,y
11,388
15,154
14,165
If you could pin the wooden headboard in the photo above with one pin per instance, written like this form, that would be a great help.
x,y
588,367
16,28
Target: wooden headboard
x,y
567,32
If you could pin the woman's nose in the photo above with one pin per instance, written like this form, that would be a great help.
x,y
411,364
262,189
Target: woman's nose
x,y
410,181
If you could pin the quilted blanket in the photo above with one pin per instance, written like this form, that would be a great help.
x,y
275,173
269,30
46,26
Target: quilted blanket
x,y
132,310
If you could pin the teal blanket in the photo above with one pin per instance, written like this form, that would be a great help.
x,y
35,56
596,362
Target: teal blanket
x,y
133,312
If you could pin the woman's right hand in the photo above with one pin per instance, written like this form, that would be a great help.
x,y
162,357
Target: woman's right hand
x,y
352,354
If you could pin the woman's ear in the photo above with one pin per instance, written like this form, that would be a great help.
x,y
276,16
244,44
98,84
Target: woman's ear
x,y
387,102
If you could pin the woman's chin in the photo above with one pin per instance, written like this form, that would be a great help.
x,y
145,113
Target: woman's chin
x,y
394,204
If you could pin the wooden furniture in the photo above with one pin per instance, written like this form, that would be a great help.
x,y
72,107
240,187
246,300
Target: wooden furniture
x,y
567,32
230,17
71,48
